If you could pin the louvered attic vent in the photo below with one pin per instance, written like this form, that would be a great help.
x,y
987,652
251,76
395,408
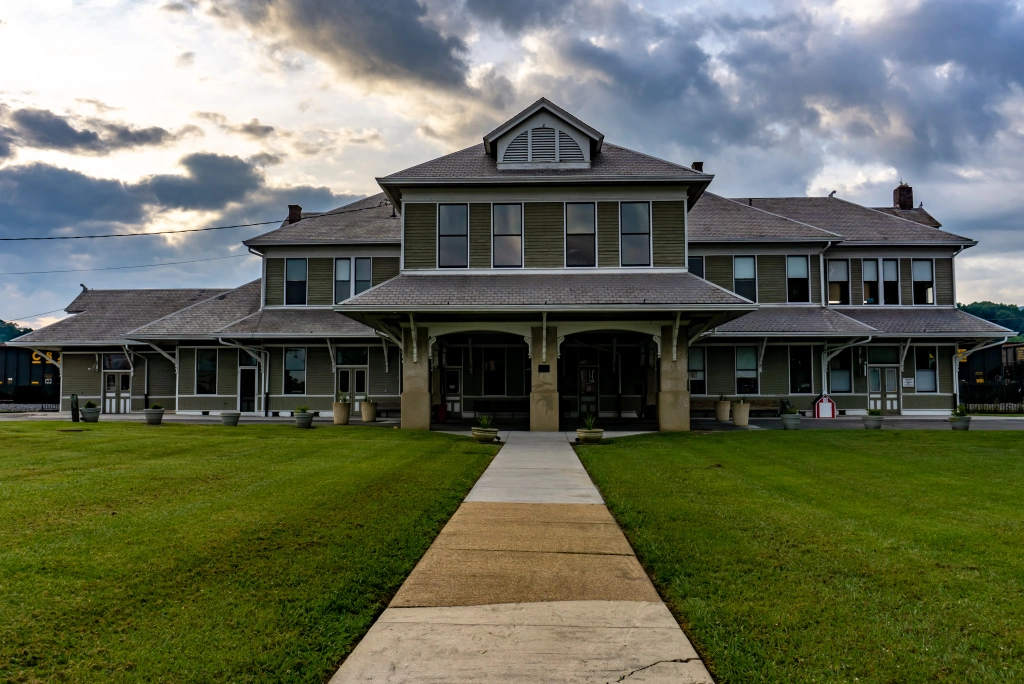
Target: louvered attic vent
x,y
568,149
543,144
518,149
538,145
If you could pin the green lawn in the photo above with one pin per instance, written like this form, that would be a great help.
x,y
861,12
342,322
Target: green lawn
x,y
832,556
186,553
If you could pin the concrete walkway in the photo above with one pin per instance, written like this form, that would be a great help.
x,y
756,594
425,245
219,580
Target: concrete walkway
x,y
530,581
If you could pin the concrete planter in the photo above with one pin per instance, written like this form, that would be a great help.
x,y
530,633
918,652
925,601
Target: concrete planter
x,y
585,436
791,421
368,411
485,435
230,418
153,416
303,420
90,415
872,422
342,411
741,414
722,411
960,422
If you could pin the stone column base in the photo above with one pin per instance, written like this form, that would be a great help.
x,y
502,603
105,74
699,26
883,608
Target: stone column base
x,y
415,410
674,411
544,411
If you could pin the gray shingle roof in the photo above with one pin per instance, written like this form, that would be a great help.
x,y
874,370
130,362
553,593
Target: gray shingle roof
x,y
526,291
852,221
474,163
790,320
368,220
207,317
296,323
104,316
714,218
926,321
917,214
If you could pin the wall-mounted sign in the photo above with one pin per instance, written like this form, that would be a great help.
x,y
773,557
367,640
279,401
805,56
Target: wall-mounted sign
x,y
908,382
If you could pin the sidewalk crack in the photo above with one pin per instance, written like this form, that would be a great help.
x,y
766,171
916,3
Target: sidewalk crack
x,y
658,662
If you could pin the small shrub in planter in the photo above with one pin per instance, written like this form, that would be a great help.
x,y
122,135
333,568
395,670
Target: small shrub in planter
x,y
303,418
589,433
722,407
154,414
342,409
790,418
741,412
960,420
873,420
230,418
90,412
483,432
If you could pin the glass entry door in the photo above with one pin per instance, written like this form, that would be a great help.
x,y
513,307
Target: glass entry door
x,y
247,390
117,392
588,390
453,392
352,383
883,389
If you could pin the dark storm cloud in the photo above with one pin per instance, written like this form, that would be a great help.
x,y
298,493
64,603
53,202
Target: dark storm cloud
x,y
515,17
211,181
253,129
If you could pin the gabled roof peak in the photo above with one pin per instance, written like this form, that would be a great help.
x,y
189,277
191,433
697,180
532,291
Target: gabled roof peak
x,y
543,104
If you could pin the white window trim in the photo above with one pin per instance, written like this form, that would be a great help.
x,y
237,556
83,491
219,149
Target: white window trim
x,y
935,291
899,284
849,284
284,371
650,231
808,258
880,282
853,386
437,235
757,285
736,368
565,236
935,349
351,278
195,373
704,353
286,260
522,236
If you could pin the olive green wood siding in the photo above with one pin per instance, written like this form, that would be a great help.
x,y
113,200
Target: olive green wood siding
x,y
384,269
718,270
860,381
668,221
607,234
77,378
319,372
227,371
138,386
909,370
290,402
775,371
906,282
161,376
275,282
276,370
381,383
479,237
944,282
320,287
720,370
207,403
849,401
944,359
544,240
815,280
420,240
771,279
856,282
186,371
928,401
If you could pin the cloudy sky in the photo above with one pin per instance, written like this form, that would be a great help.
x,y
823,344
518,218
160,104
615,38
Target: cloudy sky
x,y
133,116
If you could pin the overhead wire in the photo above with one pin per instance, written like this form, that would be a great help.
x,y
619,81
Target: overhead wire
x,y
121,268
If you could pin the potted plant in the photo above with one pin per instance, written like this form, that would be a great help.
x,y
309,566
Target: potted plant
x,y
722,409
483,432
90,412
230,418
342,409
303,418
154,414
589,433
960,420
790,418
873,420
368,411
741,412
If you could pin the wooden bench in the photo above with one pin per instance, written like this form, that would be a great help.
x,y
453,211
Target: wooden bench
x,y
389,407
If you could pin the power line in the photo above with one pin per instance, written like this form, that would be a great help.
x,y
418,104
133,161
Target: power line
x,y
121,268
24,318
110,235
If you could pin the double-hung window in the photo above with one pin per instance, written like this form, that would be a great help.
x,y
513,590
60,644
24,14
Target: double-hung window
x,y
801,370
635,229
342,280
364,274
206,371
453,236
695,265
798,279
580,234
295,282
872,292
746,370
924,285
927,380
295,371
838,281
891,281
744,277
695,368
508,235
841,372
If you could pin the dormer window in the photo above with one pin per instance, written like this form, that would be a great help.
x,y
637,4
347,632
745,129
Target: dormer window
x,y
543,144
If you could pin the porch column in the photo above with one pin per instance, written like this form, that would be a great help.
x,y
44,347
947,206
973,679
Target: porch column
x,y
674,394
415,382
544,379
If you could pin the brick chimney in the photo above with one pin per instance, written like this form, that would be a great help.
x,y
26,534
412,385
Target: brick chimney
x,y
295,213
697,166
903,197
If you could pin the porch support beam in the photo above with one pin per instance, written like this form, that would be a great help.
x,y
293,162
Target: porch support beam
x,y
416,394
544,404
673,394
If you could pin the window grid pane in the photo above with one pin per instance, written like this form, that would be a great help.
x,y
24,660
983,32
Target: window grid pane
x,y
636,250
206,371
796,267
579,218
508,251
342,280
363,274
508,219
635,217
696,266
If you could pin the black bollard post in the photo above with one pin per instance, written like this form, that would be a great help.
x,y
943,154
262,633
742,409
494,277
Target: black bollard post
x,y
74,408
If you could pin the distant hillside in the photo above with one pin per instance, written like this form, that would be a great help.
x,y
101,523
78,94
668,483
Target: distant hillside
x,y
1006,315
8,331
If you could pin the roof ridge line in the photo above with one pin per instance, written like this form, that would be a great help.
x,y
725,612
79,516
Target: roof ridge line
x,y
186,308
771,213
